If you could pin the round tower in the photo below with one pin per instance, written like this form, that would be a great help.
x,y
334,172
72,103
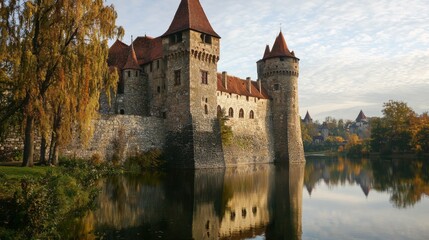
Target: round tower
x,y
130,87
279,72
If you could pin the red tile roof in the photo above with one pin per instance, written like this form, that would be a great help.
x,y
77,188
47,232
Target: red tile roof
x,y
118,54
190,15
267,52
280,48
148,49
131,60
239,86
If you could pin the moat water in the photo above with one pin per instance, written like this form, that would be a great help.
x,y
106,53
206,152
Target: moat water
x,y
327,198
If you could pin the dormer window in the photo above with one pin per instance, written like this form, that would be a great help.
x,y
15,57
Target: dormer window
x,y
206,38
176,38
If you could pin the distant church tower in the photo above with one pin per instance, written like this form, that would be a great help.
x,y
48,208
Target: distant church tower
x,y
279,71
190,53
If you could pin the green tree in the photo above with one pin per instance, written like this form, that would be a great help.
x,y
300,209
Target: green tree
x,y
422,138
61,66
398,117
378,135
225,130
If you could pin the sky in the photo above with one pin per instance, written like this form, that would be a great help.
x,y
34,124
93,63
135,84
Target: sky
x,y
354,54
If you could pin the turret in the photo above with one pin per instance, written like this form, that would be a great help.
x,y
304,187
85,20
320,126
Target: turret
x,y
130,87
191,52
279,71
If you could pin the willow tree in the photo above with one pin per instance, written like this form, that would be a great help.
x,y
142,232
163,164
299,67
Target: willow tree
x,y
62,69
10,43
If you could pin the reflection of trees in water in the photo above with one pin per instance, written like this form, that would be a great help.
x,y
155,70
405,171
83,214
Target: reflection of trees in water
x,y
405,180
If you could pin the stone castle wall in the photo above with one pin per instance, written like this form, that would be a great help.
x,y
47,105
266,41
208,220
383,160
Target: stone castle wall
x,y
252,141
124,135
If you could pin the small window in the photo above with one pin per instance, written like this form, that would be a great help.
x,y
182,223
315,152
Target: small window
x,y
254,211
252,115
247,98
282,59
204,77
129,73
177,74
150,67
122,112
243,212
241,113
158,89
137,73
219,111
276,87
176,38
206,109
206,38
231,113
157,64
164,115
232,217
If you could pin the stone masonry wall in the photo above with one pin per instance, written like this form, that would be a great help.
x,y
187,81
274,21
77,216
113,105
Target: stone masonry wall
x,y
132,134
252,142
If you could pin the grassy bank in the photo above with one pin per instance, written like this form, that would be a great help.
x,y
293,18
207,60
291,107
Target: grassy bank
x,y
44,202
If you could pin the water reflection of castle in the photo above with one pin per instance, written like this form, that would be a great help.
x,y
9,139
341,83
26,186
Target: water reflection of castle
x,y
234,203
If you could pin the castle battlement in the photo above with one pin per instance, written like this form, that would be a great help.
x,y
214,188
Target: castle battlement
x,y
174,77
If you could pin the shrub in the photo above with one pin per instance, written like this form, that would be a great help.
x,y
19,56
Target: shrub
x,y
146,160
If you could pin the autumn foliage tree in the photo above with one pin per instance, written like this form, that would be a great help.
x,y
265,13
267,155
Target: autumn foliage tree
x,y
55,67
400,129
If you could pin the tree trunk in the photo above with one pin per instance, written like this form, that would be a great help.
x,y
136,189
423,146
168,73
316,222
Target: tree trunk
x,y
51,148
54,160
28,143
43,146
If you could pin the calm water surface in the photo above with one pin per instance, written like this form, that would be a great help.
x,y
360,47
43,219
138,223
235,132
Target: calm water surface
x,y
327,198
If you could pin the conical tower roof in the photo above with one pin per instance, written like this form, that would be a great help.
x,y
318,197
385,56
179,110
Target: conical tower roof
x,y
360,117
267,52
308,118
190,15
280,48
132,62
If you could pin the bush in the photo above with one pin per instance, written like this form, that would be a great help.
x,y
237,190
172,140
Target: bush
x,y
42,205
146,160
46,207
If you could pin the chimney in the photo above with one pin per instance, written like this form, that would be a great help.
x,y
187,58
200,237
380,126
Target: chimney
x,y
259,86
225,79
249,85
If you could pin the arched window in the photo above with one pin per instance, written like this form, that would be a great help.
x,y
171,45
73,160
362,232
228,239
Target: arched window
x,y
251,115
230,112
122,112
241,113
219,111
206,109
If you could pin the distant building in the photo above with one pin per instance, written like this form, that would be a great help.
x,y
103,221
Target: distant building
x,y
308,119
360,126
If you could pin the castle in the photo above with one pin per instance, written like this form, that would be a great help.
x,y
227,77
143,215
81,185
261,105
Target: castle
x,y
174,77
